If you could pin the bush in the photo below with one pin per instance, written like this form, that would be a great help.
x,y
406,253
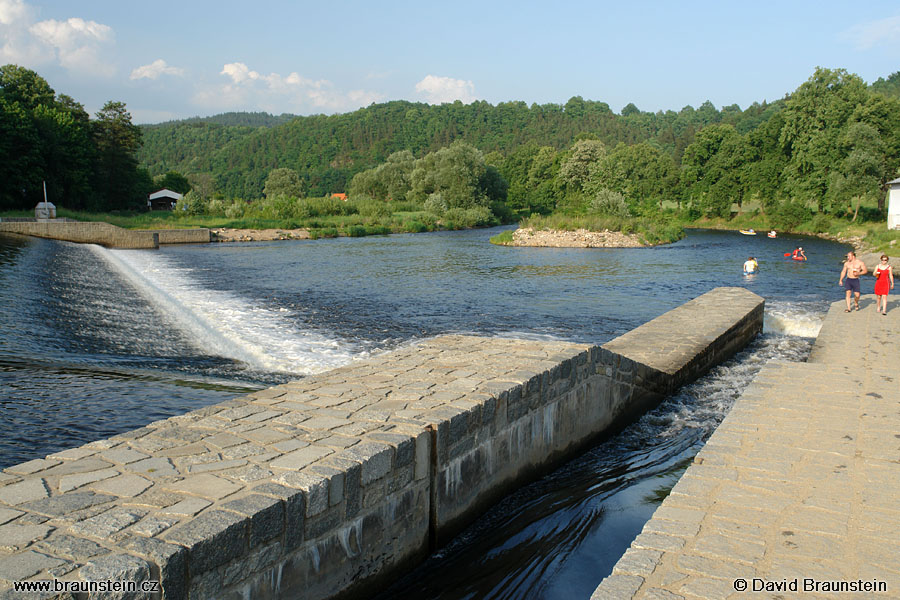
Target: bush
x,y
436,204
608,202
790,214
478,216
235,210
374,209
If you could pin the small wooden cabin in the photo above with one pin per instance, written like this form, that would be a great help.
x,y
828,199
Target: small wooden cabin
x,y
164,199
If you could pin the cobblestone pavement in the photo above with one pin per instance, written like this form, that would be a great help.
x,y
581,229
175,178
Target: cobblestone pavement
x,y
797,493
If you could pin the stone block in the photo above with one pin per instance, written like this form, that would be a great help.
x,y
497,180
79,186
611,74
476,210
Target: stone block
x,y
314,487
23,565
376,459
335,479
59,506
266,516
71,547
352,471
122,455
117,567
169,563
212,538
153,467
104,525
8,514
303,457
24,491
124,485
15,537
206,486
186,508
294,512
32,466
403,444
77,480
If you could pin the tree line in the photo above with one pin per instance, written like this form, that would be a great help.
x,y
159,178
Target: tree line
x,y
829,147
327,151
86,163
826,147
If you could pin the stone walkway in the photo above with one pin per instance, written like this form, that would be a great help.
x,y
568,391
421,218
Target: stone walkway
x,y
797,493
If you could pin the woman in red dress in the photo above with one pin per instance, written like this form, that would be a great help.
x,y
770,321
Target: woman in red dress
x,y
884,281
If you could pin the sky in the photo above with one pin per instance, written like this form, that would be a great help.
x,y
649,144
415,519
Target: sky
x,y
172,60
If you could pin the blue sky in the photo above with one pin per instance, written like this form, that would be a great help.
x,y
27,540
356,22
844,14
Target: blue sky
x,y
169,60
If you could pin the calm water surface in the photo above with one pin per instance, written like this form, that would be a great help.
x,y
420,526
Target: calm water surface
x,y
94,342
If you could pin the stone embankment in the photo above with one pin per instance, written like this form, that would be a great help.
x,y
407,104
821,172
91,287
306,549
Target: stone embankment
x,y
796,492
104,234
334,484
580,238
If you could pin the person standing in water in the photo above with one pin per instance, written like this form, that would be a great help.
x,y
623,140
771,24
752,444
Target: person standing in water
x,y
884,282
750,266
853,268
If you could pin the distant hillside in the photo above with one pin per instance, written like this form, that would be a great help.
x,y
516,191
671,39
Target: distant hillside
x,y
242,119
889,86
239,149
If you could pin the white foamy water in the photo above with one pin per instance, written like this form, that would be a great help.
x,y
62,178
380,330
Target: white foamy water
x,y
224,324
799,319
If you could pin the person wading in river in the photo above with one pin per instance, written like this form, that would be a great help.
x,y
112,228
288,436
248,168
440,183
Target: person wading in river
x,y
853,268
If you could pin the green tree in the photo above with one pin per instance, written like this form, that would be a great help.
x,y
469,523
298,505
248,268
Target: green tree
x,y
575,169
30,90
642,173
175,181
814,119
119,184
283,182
455,177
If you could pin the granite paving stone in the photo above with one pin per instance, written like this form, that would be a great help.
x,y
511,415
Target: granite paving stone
x,y
124,485
205,485
24,491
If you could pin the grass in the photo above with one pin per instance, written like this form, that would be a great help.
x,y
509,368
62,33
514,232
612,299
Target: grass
x,y
503,238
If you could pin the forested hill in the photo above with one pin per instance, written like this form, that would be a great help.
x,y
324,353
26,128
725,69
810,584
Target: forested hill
x,y
328,150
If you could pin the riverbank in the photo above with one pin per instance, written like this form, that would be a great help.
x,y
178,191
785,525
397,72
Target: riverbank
x,y
225,234
580,238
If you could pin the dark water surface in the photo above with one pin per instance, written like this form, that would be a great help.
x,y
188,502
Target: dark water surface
x,y
94,342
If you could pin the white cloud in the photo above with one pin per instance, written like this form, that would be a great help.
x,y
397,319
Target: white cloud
x,y
438,90
251,90
155,69
12,11
867,35
74,44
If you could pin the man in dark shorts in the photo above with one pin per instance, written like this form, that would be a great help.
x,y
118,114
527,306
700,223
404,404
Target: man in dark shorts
x,y
853,268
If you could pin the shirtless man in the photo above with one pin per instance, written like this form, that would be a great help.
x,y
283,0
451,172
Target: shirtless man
x,y
853,268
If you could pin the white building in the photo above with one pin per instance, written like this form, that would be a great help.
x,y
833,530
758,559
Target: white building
x,y
893,220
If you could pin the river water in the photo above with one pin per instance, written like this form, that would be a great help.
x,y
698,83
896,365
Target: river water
x,y
94,342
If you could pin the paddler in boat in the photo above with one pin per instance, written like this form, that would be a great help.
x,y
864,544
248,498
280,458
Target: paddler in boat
x,y
798,254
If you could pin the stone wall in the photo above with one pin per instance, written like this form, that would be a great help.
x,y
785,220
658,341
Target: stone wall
x,y
183,236
103,234
334,484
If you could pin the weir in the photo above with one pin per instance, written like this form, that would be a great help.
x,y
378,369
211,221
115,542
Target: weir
x,y
105,234
334,484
